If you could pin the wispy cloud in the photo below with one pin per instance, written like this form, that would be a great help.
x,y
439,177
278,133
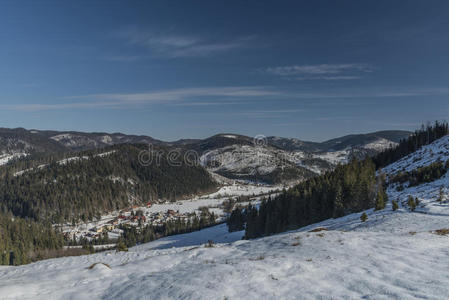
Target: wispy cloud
x,y
185,93
322,71
262,114
215,103
186,96
327,77
227,95
178,45
57,106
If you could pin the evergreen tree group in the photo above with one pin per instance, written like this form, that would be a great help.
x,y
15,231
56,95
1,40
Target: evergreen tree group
x,y
236,220
349,188
421,175
23,241
424,136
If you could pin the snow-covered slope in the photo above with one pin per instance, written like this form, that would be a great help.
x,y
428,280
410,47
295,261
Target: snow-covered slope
x,y
436,151
5,158
257,163
391,255
239,156
62,161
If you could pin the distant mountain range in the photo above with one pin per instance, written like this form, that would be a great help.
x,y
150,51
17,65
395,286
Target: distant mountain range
x,y
272,159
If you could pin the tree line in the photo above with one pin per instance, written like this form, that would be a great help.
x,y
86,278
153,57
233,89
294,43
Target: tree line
x,y
137,235
421,175
424,136
349,188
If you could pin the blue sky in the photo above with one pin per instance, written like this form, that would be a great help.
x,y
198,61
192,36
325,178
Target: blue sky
x,y
189,69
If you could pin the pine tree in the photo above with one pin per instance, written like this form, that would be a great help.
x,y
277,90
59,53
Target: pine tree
x,y
363,217
411,203
441,194
236,220
394,205
121,246
380,203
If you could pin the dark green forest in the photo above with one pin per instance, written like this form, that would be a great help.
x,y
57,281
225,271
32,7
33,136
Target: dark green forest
x,y
349,188
23,241
84,188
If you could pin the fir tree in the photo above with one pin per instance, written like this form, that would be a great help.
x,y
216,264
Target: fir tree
x,y
441,194
411,203
380,203
394,205
363,217
121,246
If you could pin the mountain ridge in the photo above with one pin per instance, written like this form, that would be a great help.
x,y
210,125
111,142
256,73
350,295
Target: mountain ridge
x,y
268,159
393,135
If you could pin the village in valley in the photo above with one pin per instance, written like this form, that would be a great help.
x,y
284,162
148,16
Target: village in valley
x,y
158,214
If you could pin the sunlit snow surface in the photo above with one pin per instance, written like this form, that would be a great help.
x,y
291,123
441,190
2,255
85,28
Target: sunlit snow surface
x,y
382,257
5,158
391,255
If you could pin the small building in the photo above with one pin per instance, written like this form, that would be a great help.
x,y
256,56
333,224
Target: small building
x,y
109,227
98,229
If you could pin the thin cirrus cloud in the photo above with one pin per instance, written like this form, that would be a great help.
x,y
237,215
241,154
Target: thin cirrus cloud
x,y
183,96
263,114
321,72
212,96
176,45
57,106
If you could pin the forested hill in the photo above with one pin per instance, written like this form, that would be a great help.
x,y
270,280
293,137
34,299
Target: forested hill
x,y
93,182
349,188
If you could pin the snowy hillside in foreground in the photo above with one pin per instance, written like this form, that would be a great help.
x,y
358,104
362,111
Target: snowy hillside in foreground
x,y
381,258
394,254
